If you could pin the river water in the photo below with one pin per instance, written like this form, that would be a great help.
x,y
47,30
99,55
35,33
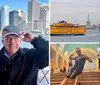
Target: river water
x,y
92,35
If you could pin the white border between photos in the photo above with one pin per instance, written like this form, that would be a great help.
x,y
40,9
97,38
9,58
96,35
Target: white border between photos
x,y
74,43
49,43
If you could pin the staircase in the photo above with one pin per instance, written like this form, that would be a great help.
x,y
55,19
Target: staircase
x,y
86,78
89,78
57,78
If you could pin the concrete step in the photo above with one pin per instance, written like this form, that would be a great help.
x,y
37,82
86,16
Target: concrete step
x,y
86,73
78,76
58,74
80,79
60,80
90,72
90,82
89,76
81,73
58,83
87,79
57,77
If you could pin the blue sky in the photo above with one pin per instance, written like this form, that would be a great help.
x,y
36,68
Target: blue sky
x,y
15,4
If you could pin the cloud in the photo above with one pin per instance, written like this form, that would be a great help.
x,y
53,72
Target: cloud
x,y
62,9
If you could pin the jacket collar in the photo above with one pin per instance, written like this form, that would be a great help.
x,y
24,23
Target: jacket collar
x,y
21,51
17,64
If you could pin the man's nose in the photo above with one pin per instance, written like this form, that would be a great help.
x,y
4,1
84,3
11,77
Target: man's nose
x,y
12,40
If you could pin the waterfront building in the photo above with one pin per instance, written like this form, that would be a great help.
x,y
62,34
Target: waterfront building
x,y
44,15
33,13
4,16
18,18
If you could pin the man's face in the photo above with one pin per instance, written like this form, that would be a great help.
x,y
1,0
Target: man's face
x,y
11,43
78,51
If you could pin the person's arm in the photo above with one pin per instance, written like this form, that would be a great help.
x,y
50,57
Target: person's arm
x,y
87,58
72,57
41,46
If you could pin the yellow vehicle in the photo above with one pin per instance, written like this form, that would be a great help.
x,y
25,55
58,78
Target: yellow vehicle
x,y
64,28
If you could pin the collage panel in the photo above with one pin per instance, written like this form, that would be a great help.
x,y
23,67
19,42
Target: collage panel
x,y
75,21
74,42
50,42
24,42
74,64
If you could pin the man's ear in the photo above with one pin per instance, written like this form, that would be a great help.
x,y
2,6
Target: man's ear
x,y
2,41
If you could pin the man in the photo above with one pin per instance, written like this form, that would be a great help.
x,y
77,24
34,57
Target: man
x,y
70,63
98,56
20,66
78,67
64,69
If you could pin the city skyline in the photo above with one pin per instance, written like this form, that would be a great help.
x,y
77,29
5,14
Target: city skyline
x,y
22,4
75,11
37,15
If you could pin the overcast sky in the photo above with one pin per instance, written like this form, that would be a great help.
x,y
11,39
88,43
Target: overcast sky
x,y
75,11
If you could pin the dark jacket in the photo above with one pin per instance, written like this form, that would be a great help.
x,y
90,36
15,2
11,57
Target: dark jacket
x,y
23,68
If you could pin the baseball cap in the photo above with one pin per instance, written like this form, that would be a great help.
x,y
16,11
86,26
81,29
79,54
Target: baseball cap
x,y
10,29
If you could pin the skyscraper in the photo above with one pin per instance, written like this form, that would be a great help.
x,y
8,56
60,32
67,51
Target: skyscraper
x,y
33,13
17,18
13,17
44,15
4,16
